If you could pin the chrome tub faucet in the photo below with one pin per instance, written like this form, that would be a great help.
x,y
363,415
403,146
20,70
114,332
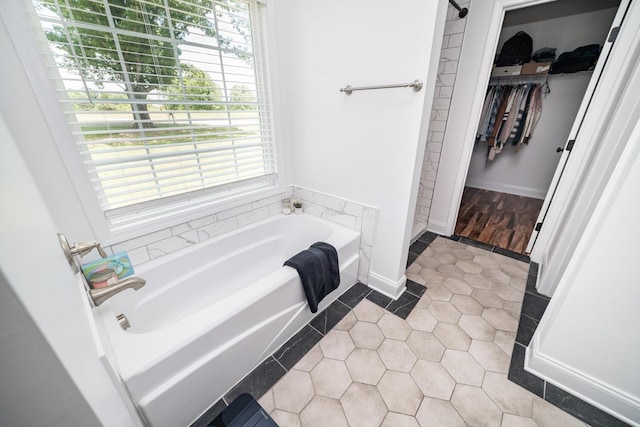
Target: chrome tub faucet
x,y
102,294
98,295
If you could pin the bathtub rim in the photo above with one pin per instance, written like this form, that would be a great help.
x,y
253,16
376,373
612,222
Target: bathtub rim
x,y
182,252
161,342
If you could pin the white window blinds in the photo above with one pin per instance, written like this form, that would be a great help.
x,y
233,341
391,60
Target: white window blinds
x,y
165,98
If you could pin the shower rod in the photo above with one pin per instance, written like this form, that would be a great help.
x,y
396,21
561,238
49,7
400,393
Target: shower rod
x,y
462,11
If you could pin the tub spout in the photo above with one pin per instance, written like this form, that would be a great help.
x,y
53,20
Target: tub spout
x,y
101,295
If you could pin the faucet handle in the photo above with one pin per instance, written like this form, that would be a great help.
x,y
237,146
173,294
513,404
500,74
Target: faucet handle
x,y
84,248
101,251
80,249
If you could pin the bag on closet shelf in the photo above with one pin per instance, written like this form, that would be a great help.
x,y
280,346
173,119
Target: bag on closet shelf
x,y
546,54
516,50
580,59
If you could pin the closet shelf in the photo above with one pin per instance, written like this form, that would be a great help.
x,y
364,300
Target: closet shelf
x,y
532,78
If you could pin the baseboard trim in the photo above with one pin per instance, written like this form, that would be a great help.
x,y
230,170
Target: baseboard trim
x,y
610,400
387,287
438,227
506,188
417,230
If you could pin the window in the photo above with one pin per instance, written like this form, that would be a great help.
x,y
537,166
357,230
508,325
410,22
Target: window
x,y
166,99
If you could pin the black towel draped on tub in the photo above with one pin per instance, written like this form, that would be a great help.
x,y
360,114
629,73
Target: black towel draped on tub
x,y
319,271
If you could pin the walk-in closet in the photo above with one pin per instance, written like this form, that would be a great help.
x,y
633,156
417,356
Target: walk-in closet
x,y
528,113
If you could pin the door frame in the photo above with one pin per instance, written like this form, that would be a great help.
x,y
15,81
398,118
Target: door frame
x,y
480,43
580,135
608,123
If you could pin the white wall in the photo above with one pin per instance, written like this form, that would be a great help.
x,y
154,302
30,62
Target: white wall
x,y
588,341
37,271
31,259
34,122
37,391
529,171
362,147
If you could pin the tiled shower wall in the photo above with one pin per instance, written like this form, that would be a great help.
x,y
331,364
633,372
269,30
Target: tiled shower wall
x,y
347,213
447,69
163,242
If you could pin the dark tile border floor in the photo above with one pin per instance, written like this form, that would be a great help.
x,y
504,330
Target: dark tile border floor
x,y
490,248
419,245
262,378
427,237
533,307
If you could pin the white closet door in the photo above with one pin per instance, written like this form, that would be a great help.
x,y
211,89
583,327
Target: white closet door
x,y
554,192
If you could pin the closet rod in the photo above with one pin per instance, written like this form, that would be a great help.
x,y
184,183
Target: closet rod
x,y
523,79
462,11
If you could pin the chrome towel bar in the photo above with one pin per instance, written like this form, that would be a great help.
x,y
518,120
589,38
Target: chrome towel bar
x,y
416,85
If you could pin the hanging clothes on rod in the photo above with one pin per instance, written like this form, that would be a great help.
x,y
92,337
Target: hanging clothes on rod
x,y
509,116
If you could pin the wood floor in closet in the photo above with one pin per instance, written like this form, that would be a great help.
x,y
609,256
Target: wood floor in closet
x,y
498,219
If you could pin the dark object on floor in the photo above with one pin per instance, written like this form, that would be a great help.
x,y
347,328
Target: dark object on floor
x,y
319,271
244,411
516,50
581,59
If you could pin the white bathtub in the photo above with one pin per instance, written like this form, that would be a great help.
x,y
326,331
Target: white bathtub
x,y
211,313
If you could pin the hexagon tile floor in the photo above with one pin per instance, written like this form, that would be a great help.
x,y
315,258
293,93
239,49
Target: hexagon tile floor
x,y
445,365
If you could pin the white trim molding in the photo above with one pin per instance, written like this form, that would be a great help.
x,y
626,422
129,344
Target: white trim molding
x,y
439,227
595,304
387,287
608,122
607,398
535,193
474,69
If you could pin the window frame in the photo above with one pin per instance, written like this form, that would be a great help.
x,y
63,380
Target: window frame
x,y
162,214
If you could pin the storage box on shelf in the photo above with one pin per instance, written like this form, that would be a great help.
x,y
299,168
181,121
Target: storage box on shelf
x,y
536,68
